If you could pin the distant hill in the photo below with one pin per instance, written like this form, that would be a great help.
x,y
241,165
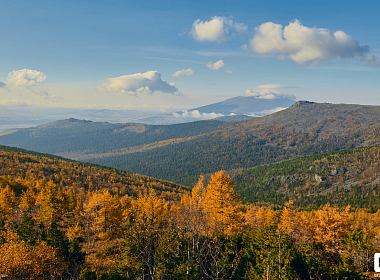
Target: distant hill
x,y
34,116
181,152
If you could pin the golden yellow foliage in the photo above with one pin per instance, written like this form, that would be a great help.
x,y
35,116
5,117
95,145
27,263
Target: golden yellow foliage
x,y
150,207
7,202
191,212
74,231
20,261
104,210
53,200
220,203
329,225
27,200
257,216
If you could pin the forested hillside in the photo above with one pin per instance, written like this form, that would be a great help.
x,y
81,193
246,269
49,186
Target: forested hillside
x,y
21,168
80,137
182,152
348,177
62,219
303,129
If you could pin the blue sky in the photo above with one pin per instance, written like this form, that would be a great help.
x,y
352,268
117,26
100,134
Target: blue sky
x,y
123,54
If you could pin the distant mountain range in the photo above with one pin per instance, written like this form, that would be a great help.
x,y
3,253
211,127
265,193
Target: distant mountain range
x,y
181,152
247,105
11,118
233,109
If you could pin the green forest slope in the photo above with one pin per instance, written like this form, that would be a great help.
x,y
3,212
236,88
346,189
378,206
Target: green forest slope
x,y
348,177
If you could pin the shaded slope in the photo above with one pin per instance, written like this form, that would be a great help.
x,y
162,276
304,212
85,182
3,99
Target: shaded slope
x,y
86,137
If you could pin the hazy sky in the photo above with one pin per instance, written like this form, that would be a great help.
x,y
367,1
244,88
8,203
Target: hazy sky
x,y
173,55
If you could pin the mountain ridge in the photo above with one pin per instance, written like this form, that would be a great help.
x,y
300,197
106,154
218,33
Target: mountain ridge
x,y
181,152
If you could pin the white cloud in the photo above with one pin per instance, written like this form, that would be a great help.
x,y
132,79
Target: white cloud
x,y
271,111
275,86
228,71
266,112
239,27
215,66
183,72
307,45
147,82
197,115
268,94
215,30
25,77
244,47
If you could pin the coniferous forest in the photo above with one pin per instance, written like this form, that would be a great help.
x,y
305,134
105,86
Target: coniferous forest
x,y
61,219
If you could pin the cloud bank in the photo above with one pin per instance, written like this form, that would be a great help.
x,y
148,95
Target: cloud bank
x,y
215,66
268,94
215,30
307,45
25,77
197,115
148,82
183,72
266,112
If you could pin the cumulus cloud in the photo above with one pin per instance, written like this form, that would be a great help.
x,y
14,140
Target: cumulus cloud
x,y
268,94
197,115
215,66
25,77
215,30
183,72
275,86
2,85
147,83
307,45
